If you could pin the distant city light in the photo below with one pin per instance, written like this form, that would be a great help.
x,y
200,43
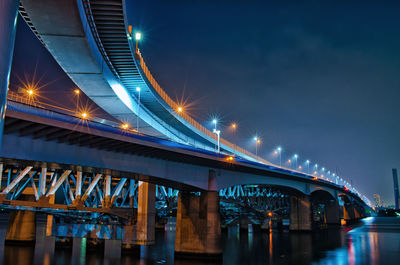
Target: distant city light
x,y
234,125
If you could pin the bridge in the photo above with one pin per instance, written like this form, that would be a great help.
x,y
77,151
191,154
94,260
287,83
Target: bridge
x,y
90,174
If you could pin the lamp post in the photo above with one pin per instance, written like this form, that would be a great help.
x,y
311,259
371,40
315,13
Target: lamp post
x,y
138,36
308,166
77,93
279,149
295,160
234,126
138,112
217,132
258,141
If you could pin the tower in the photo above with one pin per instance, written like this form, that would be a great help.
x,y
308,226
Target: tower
x,y
396,189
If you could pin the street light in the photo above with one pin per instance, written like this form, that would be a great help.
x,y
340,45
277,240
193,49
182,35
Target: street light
x,y
258,141
295,159
180,109
234,126
138,112
308,166
279,149
217,132
138,36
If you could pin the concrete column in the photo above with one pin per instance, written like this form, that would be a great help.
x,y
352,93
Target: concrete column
x,y
8,22
332,213
198,228
21,228
348,212
300,213
146,217
112,251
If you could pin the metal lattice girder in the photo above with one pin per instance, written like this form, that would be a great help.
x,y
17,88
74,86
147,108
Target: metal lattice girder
x,y
16,180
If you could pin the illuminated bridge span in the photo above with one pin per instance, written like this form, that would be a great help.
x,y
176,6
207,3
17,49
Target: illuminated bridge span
x,y
93,45
81,169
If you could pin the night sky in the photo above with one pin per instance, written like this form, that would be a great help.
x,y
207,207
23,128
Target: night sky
x,y
318,79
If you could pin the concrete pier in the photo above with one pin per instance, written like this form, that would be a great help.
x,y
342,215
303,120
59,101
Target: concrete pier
x,y
21,228
198,228
348,212
300,213
146,216
332,215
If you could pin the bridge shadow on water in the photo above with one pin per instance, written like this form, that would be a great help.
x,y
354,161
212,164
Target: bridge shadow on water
x,y
373,241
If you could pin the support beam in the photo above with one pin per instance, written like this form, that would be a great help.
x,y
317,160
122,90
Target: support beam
x,y
107,191
16,180
1,174
332,213
78,188
54,188
8,22
21,227
42,182
300,213
91,187
198,228
146,216
117,190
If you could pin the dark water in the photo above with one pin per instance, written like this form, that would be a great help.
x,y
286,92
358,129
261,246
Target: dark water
x,y
373,241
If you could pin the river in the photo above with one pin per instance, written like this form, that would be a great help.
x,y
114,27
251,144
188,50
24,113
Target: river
x,y
375,240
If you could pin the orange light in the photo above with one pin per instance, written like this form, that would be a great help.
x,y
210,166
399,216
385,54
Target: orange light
x,y
300,167
234,125
275,152
230,158
258,141
125,126
269,214
30,92
290,161
180,109
84,115
315,178
77,91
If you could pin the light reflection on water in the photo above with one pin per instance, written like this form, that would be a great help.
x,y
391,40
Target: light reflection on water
x,y
374,241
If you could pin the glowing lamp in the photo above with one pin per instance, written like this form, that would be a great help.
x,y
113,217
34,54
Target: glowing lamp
x,y
138,36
